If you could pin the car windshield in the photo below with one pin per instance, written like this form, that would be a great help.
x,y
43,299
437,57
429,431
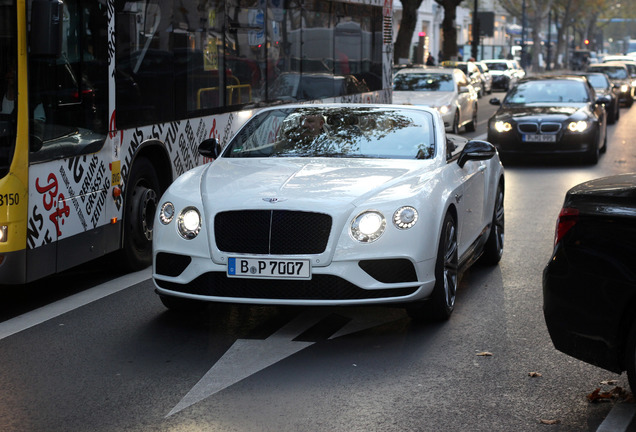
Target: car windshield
x,y
598,81
497,66
614,72
424,81
355,132
550,91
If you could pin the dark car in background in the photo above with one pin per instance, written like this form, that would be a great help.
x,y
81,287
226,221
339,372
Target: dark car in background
x,y
619,75
550,116
604,87
589,284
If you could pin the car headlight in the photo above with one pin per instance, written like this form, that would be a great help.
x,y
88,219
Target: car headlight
x,y
405,217
368,226
577,126
502,126
624,88
444,109
189,223
166,214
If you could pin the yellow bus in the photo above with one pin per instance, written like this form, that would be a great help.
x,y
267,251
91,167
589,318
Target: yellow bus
x,y
104,103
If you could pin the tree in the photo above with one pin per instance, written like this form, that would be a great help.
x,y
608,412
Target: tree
x,y
409,20
402,45
449,31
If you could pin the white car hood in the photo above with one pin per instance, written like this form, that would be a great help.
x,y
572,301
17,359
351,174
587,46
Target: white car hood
x,y
301,183
432,99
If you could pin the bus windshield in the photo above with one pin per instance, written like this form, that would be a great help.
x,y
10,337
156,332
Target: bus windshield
x,y
8,84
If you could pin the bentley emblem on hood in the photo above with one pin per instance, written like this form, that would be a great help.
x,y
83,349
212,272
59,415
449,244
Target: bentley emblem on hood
x,y
274,200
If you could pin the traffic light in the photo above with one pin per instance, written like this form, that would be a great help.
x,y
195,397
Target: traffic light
x,y
586,42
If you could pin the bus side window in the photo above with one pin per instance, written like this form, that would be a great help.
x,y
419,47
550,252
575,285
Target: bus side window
x,y
68,93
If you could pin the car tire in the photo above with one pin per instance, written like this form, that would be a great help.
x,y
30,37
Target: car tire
x,y
472,125
593,154
455,128
493,250
613,116
630,358
143,191
441,304
604,147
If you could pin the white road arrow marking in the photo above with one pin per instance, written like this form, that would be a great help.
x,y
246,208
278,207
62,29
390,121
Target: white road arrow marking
x,y
247,356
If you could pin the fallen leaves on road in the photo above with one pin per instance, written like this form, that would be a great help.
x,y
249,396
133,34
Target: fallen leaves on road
x,y
613,394
550,422
534,374
485,354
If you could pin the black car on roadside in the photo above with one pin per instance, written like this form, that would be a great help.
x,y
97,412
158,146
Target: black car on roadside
x,y
548,116
619,75
603,86
589,284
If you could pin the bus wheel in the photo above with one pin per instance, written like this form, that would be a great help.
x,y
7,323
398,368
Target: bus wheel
x,y
142,195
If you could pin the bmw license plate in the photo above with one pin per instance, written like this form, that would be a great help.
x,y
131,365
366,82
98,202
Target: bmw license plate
x,y
259,268
539,138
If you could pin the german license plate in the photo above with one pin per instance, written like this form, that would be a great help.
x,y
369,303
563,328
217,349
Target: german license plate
x,y
259,268
539,138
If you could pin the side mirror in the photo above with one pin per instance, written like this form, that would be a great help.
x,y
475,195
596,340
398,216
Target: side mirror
x,y
210,148
476,150
494,101
603,100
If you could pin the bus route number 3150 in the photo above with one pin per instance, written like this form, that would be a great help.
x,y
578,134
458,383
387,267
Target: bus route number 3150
x,y
10,199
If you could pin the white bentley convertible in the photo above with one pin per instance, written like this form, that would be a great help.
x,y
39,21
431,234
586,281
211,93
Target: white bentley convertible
x,y
332,205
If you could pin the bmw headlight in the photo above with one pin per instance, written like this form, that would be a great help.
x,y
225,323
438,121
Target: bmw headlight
x,y
502,126
166,214
577,126
368,226
189,223
405,217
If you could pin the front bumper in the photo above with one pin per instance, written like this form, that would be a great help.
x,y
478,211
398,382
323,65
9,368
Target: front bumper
x,y
566,144
500,82
381,281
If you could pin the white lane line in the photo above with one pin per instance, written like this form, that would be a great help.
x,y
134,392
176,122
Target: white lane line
x,y
618,418
45,313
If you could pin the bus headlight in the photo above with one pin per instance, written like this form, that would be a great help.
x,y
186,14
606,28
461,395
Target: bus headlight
x,y
4,230
189,223
367,227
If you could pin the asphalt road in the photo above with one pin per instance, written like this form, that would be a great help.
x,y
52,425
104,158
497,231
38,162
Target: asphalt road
x,y
95,350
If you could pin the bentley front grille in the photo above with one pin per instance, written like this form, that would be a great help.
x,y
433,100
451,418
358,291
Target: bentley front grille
x,y
272,232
